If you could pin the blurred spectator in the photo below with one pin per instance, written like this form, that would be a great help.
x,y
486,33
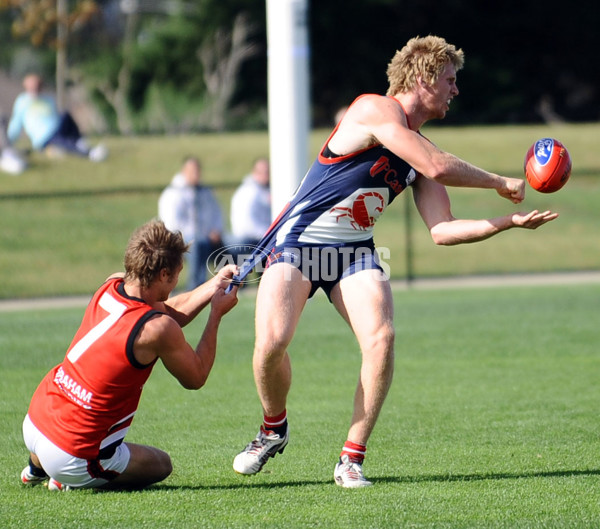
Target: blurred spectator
x,y
36,114
11,160
192,208
251,205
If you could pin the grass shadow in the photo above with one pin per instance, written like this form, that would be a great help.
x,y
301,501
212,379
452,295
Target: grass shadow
x,y
484,477
441,478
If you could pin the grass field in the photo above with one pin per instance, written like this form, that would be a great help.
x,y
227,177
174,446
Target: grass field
x,y
65,223
492,421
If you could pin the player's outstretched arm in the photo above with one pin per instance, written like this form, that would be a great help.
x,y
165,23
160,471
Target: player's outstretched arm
x,y
163,337
220,305
377,118
433,205
449,170
461,231
184,307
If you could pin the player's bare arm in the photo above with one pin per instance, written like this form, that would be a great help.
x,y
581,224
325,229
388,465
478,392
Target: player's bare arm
x,y
433,205
185,307
380,119
163,337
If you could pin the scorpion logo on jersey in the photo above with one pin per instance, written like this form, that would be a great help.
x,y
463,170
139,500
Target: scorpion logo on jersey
x,y
364,211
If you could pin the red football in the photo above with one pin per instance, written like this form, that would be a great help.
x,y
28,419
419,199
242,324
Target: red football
x,y
547,165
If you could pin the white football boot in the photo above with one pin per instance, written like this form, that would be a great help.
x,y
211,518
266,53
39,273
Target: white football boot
x,y
266,444
349,475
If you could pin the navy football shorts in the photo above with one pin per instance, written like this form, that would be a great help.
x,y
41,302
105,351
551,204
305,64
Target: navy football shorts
x,y
326,266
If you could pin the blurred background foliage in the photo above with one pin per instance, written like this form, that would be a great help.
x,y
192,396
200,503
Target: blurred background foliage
x,y
153,66
159,79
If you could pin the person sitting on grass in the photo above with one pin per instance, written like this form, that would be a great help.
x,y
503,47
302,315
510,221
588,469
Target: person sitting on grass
x,y
48,130
81,411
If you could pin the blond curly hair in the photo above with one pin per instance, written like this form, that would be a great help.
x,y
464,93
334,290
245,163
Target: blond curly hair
x,y
421,57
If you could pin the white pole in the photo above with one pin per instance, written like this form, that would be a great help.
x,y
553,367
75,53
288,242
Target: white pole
x,y
289,106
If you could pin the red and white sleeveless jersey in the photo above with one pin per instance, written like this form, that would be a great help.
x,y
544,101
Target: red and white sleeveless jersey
x,y
86,403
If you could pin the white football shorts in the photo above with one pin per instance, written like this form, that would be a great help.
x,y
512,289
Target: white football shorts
x,y
70,470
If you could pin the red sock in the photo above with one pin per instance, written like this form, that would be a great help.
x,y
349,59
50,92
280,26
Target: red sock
x,y
354,451
277,424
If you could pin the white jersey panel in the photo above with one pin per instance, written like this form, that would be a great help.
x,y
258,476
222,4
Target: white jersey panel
x,y
350,220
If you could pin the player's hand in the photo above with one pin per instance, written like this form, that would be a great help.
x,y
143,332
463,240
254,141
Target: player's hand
x,y
533,219
222,302
224,276
513,189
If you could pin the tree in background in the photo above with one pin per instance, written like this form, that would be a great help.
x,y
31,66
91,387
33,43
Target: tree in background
x,y
151,65
190,65
222,58
176,66
48,23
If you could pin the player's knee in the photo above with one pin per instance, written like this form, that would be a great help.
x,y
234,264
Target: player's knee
x,y
271,349
165,466
383,340
158,463
379,347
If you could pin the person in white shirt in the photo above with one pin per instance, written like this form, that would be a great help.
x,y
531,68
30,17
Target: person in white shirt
x,y
251,205
192,208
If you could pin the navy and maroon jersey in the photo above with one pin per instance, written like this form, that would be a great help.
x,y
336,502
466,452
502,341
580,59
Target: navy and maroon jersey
x,y
338,201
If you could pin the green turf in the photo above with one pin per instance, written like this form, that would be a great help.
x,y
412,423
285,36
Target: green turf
x,y
492,421
65,223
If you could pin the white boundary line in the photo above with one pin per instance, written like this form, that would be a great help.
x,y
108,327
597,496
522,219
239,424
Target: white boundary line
x,y
508,280
458,282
